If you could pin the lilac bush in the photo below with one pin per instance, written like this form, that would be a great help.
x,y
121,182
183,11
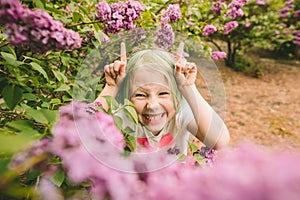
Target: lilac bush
x,y
36,29
244,172
165,35
120,15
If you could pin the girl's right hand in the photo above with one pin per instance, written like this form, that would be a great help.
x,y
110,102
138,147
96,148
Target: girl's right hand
x,y
116,71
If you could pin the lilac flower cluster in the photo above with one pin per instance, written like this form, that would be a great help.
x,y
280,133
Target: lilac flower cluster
x,y
217,6
285,12
165,37
165,34
235,8
217,55
35,28
229,26
120,15
173,12
260,2
245,172
297,37
208,154
209,29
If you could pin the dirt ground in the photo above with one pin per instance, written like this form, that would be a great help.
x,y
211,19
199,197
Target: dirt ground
x,y
264,110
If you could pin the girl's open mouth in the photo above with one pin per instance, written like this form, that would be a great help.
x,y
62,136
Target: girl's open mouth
x,y
153,118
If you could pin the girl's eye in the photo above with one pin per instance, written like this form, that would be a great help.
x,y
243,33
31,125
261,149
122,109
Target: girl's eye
x,y
164,93
139,95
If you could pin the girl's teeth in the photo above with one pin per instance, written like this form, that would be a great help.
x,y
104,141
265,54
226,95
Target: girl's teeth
x,y
153,117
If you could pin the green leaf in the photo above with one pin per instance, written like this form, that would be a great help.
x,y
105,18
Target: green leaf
x,y
118,122
77,17
9,58
131,142
131,113
58,178
60,76
193,147
13,143
12,95
199,159
38,68
112,103
62,88
55,101
43,116
20,125
25,128
30,97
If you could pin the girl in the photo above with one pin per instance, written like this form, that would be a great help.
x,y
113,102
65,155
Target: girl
x,y
167,102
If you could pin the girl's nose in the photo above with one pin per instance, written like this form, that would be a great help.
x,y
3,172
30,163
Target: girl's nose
x,y
152,103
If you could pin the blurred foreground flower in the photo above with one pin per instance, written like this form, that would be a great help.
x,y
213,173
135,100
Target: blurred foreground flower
x,y
245,172
35,28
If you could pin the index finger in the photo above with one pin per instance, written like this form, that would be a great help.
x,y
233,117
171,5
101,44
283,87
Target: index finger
x,y
123,52
179,52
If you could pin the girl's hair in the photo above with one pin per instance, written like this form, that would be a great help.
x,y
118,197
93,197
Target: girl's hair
x,y
157,60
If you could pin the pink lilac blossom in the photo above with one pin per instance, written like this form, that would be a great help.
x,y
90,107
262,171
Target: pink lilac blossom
x,y
277,32
217,55
297,37
285,12
260,2
174,13
209,29
296,13
244,172
120,15
165,36
217,7
247,24
229,26
36,29
247,172
235,8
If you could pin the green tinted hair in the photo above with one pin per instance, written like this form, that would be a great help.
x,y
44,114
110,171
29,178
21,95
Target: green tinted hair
x,y
157,60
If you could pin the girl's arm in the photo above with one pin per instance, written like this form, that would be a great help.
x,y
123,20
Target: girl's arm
x,y
207,124
114,75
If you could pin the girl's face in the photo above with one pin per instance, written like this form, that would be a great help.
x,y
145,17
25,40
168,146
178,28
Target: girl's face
x,y
152,99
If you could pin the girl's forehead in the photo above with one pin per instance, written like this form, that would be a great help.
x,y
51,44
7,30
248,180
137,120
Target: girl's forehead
x,y
146,77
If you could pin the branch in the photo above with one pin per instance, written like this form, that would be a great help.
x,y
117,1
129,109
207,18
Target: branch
x,y
83,23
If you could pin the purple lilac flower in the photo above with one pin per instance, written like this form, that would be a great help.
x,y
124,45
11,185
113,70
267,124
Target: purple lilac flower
x,y
296,13
297,37
235,8
247,24
104,11
277,32
229,26
174,12
208,154
120,15
217,7
165,37
260,2
289,5
37,148
245,172
217,55
36,29
209,29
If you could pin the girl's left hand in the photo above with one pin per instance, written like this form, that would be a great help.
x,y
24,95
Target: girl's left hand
x,y
185,72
